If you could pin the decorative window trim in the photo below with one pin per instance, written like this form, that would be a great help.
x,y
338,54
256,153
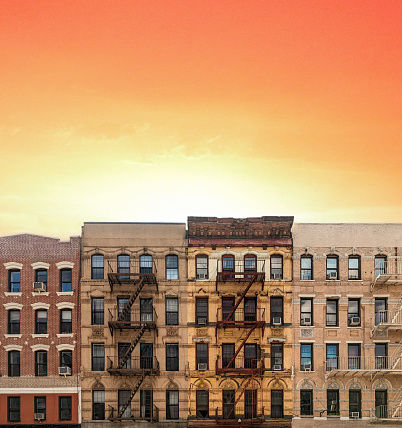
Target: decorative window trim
x,y
13,335
40,305
65,347
65,293
40,293
13,348
12,305
65,265
65,334
65,305
36,335
12,265
40,265
40,347
10,293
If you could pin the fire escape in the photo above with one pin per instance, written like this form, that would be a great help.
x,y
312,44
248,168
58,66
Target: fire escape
x,y
242,359
125,318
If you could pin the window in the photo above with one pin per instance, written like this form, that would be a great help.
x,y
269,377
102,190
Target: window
x,y
354,313
332,313
250,264
228,351
14,316
380,265
66,325
276,267
98,405
66,359
306,268
332,356
381,356
354,356
381,313
355,403
332,402
306,352
277,310
65,408
201,352
98,357
40,406
306,311
146,355
66,280
13,409
276,356
41,363
250,309
250,403
124,359
306,402
227,307
277,404
201,264
228,263
381,404
124,403
14,363
332,267
201,310
228,404
145,263
121,313
41,276
172,357
146,310
354,267
250,356
202,404
40,321
14,281
172,267
172,310
97,266
146,403
97,310
123,266
172,404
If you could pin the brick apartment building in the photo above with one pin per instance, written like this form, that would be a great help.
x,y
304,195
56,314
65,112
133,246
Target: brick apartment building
x,y
40,333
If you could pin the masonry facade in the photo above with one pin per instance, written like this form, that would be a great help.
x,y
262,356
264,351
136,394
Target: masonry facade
x,y
40,334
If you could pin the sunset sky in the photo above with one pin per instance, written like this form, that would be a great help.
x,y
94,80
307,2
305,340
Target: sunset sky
x,y
144,110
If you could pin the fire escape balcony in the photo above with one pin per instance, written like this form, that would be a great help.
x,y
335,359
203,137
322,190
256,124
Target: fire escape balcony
x,y
132,319
133,366
387,273
240,366
241,318
134,276
240,271
387,320
136,413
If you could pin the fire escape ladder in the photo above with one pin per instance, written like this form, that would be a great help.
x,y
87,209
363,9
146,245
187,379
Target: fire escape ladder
x,y
240,395
244,292
131,300
133,391
130,349
241,345
397,355
398,400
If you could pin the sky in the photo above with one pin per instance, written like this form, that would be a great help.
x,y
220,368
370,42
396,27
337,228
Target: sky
x,y
145,110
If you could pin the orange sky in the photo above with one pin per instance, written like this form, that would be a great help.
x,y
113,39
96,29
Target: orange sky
x,y
144,110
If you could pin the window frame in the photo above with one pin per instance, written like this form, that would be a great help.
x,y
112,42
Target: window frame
x,y
305,314
123,265
65,285
335,393
172,361
66,327
201,354
308,270
381,361
146,263
201,266
68,400
98,361
380,315
306,360
96,312
41,366
11,282
248,257
274,271
66,353
172,407
40,408
331,358
171,316
41,275
200,310
204,407
14,327
329,315
380,258
277,354
14,366
354,361
330,269
15,409
353,270
97,266
172,272
40,325
96,404
276,313
354,314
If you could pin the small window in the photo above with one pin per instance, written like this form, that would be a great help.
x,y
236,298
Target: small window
x,y
14,363
332,267
14,316
276,267
228,263
41,363
201,352
145,263
201,263
66,280
354,313
14,281
354,267
172,310
380,265
354,356
41,276
66,359
332,356
98,405
332,313
65,408
277,311
172,267
40,406
202,404
97,311
306,360
41,321
250,263
276,356
381,356
306,311
172,404
201,310
66,318
123,266
98,356
381,310
172,357
13,409
306,268
97,266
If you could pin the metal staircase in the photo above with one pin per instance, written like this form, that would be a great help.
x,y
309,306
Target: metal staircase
x,y
133,392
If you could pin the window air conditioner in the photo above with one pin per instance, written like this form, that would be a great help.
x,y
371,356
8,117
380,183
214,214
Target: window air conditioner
x,y
39,416
332,275
201,276
306,321
39,286
276,276
355,321
202,321
65,371
202,366
354,415
277,367
307,367
276,320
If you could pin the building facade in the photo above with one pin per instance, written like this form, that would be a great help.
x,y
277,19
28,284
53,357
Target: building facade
x,y
134,332
40,341
347,285
240,321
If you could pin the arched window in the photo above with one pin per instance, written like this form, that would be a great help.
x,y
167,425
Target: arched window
x,y
276,266
332,267
354,267
306,268
146,263
97,266
123,265
380,265
201,266
172,267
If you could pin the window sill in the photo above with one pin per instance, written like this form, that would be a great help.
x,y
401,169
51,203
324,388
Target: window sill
x,y
307,280
15,293
40,335
355,280
40,293
65,293
13,335
65,335
354,326
332,326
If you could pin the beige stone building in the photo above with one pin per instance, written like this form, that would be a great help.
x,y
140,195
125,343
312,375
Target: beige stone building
x,y
240,321
347,285
134,322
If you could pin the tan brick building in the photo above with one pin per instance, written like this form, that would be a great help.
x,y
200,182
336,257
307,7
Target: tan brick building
x,y
240,321
134,322
347,285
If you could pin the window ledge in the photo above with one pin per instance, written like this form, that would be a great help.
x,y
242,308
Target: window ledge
x,y
65,335
332,326
355,280
307,280
65,293
15,294
352,326
40,293
330,281
40,335
13,335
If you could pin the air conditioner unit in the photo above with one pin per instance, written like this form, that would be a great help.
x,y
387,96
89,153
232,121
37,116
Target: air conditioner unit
x,y
202,366
39,416
277,321
306,321
65,371
332,275
354,415
277,367
355,321
201,276
202,321
39,286
276,276
307,367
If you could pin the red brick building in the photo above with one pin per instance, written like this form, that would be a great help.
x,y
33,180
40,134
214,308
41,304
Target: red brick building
x,y
40,333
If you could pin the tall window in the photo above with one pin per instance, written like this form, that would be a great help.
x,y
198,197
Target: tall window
x,y
146,263
123,266
354,267
228,264
306,402
172,357
250,356
354,313
381,313
41,363
65,408
250,403
306,311
306,352
123,398
332,356
276,404
40,405
97,311
172,404
202,404
332,313
14,281
121,304
381,356
98,357
172,310
201,264
201,310
66,280
306,268
276,310
66,359
332,267
40,321
250,309
66,319
146,310
355,403
172,267
41,276
146,355
354,356
201,352
276,356
13,409
146,403
14,363
250,263
227,307
332,402
228,403
228,351
98,405
124,359
276,267
14,316
380,265
97,266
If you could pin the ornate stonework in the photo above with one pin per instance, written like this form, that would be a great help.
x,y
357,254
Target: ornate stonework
x,y
306,332
202,332
172,331
97,332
